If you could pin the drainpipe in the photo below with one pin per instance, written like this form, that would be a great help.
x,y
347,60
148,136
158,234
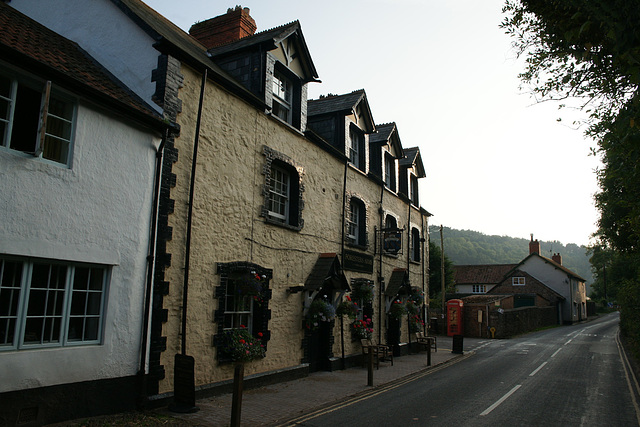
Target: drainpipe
x,y
190,217
150,265
380,277
344,208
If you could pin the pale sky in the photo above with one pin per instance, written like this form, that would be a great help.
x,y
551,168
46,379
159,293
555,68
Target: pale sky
x,y
444,71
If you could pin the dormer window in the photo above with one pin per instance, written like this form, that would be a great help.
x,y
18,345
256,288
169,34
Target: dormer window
x,y
356,147
414,189
282,97
389,172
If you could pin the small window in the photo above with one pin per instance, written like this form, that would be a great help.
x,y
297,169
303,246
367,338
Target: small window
x,y
282,190
46,303
357,227
479,289
517,281
414,190
282,97
390,171
415,245
36,119
356,147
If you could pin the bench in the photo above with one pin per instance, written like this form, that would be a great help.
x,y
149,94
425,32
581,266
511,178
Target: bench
x,y
427,342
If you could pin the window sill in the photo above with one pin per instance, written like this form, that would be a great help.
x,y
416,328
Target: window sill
x,y
357,246
280,223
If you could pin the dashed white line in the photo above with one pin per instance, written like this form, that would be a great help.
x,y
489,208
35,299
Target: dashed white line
x,y
502,399
537,369
557,351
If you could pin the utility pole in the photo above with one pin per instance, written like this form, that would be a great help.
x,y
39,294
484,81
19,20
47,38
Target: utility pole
x,y
442,267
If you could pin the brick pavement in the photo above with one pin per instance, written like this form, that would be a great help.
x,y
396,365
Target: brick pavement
x,y
274,404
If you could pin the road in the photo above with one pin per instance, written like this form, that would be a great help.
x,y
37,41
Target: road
x,y
565,376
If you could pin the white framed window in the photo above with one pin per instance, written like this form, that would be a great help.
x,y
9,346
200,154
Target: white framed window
x,y
357,223
479,289
279,193
415,245
282,97
354,221
517,281
413,182
355,146
36,119
389,171
238,307
50,304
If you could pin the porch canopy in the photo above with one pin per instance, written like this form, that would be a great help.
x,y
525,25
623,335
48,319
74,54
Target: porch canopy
x,y
398,283
327,274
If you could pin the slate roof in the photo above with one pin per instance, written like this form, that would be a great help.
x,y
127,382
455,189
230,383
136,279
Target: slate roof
x,y
399,278
327,270
483,299
335,103
23,39
271,38
383,134
488,274
554,264
412,158
175,41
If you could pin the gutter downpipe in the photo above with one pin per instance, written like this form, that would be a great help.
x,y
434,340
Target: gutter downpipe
x,y
425,307
409,254
381,304
150,268
344,208
190,217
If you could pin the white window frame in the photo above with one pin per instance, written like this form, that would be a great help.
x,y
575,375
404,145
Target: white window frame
x,y
413,184
45,133
282,96
238,310
415,245
279,193
518,281
354,221
355,145
389,171
479,289
66,299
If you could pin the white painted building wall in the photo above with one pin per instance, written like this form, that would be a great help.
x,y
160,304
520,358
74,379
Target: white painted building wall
x,y
101,29
97,211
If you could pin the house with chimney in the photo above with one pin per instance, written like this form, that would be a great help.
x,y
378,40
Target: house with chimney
x,y
268,205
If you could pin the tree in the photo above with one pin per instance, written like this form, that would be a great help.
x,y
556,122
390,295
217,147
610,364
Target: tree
x,y
435,271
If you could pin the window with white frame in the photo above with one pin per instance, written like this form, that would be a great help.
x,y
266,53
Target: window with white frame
x,y
415,245
279,193
517,281
49,303
356,147
479,289
414,190
282,97
390,171
357,223
238,307
36,119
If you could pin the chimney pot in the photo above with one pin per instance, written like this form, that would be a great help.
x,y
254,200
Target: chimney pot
x,y
234,25
557,258
534,246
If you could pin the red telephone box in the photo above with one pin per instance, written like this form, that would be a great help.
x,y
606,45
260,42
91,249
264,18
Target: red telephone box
x,y
454,317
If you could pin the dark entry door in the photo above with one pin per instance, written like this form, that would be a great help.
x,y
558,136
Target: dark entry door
x,y
320,347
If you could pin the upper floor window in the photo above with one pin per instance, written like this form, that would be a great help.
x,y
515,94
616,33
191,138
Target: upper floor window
x,y
36,119
415,245
357,229
356,147
282,97
479,289
49,304
282,191
414,189
517,281
390,171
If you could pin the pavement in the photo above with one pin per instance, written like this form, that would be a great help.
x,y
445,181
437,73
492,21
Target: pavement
x,y
282,403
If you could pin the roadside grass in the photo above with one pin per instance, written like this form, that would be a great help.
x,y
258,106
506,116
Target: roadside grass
x,y
131,419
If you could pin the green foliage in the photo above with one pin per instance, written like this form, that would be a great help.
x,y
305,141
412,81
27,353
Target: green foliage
x,y
319,311
466,247
347,308
240,346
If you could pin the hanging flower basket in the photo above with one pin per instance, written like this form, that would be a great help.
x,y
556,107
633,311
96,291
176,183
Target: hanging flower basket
x,y
319,311
251,284
397,310
415,323
362,328
240,346
416,296
362,291
347,308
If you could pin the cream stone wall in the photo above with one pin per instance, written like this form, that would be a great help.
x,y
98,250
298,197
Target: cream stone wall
x,y
227,227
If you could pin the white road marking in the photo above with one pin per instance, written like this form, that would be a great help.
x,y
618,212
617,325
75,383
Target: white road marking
x,y
502,399
536,371
557,351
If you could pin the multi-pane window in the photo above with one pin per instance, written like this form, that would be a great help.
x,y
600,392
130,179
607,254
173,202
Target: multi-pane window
x,y
282,97
279,193
357,227
415,245
354,147
46,303
479,289
414,190
35,119
238,306
390,171
517,281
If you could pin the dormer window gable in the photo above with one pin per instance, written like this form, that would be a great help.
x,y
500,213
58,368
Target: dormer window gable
x,y
411,169
274,64
386,151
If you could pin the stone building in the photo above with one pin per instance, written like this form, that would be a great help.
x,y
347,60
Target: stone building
x,y
269,204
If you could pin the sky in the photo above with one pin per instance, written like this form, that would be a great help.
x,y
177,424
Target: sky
x,y
496,161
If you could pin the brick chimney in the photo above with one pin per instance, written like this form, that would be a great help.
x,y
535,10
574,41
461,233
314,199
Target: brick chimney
x,y
534,246
232,26
557,258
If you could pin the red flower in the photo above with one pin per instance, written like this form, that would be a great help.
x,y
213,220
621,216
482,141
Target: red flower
x,y
348,298
242,326
260,334
242,341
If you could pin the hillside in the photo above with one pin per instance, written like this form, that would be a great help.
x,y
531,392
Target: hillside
x,y
472,247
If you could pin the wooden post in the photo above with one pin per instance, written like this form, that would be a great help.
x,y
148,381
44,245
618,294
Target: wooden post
x,y
370,368
428,352
236,403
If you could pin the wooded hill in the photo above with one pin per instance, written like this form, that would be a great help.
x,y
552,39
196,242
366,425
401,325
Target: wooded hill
x,y
464,247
